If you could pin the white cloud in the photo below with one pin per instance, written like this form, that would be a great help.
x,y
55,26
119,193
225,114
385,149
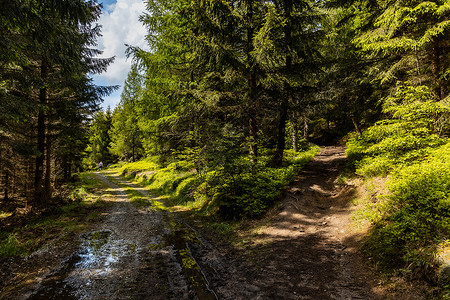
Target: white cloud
x,y
120,26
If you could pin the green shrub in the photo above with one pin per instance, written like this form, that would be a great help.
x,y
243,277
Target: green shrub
x,y
418,217
249,194
11,247
409,148
248,190
412,131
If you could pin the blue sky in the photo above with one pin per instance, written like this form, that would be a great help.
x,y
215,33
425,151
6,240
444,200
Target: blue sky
x,y
120,26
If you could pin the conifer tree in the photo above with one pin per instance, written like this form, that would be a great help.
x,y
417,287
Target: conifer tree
x,y
413,37
286,45
125,132
45,61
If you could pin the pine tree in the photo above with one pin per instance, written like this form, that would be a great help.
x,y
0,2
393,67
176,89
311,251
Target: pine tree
x,y
125,132
286,46
45,61
413,37
100,139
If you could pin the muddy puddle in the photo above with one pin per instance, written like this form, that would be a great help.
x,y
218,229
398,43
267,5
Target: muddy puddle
x,y
96,259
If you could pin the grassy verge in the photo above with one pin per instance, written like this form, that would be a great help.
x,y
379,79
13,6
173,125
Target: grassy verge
x,y
409,222
82,207
218,198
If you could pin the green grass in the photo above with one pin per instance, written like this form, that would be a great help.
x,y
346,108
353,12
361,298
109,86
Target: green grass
x,y
83,206
239,189
148,164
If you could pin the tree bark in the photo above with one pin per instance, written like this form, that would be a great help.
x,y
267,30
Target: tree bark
x,y
39,163
436,67
305,128
252,123
284,105
358,130
6,196
48,168
294,136
133,141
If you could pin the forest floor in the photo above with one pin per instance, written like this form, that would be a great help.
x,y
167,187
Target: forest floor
x,y
305,248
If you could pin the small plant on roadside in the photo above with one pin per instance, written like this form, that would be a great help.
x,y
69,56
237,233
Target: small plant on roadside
x,y
11,247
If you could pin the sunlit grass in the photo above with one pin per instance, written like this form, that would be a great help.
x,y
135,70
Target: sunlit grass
x,y
83,205
5,214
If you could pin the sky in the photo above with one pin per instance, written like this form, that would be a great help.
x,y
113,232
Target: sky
x,y
120,26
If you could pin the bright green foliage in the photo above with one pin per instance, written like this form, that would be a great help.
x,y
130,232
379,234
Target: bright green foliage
x,y
415,127
417,218
125,133
413,36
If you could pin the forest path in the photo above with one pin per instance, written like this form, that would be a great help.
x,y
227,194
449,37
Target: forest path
x,y
306,247
303,249
133,251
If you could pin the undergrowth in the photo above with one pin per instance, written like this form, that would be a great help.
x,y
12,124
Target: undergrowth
x,y
411,150
236,189
37,231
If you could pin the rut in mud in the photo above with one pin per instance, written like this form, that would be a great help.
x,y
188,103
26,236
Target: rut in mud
x,y
301,250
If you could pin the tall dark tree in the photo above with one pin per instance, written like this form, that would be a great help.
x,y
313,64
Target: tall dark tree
x,y
286,46
44,69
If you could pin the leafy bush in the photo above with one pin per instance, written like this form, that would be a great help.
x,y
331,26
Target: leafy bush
x,y
418,217
251,190
413,130
411,149
249,194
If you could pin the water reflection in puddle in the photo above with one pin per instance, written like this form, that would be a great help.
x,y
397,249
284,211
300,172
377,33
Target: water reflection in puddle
x,y
99,252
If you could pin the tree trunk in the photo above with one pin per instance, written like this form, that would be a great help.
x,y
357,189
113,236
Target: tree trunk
x,y
133,141
253,132
252,123
284,105
294,136
65,167
358,130
6,196
436,67
305,128
48,169
281,140
39,164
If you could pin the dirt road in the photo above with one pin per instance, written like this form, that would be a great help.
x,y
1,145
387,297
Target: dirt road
x,y
305,248
301,250
134,252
